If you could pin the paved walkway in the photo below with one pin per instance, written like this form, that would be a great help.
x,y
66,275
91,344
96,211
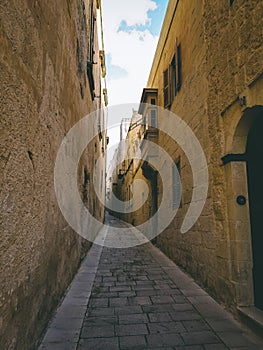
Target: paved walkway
x,y
137,298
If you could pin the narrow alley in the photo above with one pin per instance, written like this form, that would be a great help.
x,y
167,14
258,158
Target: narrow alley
x,y
131,174
137,298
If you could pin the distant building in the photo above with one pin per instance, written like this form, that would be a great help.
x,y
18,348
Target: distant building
x,y
208,70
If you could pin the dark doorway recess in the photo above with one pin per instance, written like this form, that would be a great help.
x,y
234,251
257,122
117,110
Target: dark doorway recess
x,y
255,187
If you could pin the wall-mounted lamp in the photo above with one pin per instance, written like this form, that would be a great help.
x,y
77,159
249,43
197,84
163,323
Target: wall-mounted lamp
x,y
121,174
242,101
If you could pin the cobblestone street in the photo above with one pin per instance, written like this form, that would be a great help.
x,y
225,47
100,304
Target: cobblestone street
x,y
137,298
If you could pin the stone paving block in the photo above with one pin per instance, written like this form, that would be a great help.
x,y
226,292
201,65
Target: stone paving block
x,y
170,291
100,289
162,348
109,279
139,300
160,340
216,347
108,284
128,310
118,301
159,317
100,311
162,286
133,342
195,325
145,283
146,292
180,299
133,318
157,308
185,315
136,301
126,283
201,337
131,329
190,347
142,278
166,327
123,288
100,321
183,307
105,295
97,331
106,273
162,299
127,294
99,344
101,302
142,287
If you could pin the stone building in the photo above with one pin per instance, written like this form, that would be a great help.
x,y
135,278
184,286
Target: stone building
x,y
207,70
49,81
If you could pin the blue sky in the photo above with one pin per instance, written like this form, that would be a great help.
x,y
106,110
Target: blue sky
x,y
156,18
131,33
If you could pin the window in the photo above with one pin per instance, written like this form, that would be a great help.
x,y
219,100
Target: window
x,y
90,60
154,118
178,67
172,77
176,173
86,178
153,101
175,69
166,88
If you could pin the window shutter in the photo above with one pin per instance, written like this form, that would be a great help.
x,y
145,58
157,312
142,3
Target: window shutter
x,y
176,170
166,88
173,77
178,67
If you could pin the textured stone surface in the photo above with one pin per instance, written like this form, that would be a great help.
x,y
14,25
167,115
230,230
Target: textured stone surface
x,y
151,326
221,62
44,92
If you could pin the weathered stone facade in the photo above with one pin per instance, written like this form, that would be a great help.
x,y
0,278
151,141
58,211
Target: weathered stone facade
x,y
218,92
46,71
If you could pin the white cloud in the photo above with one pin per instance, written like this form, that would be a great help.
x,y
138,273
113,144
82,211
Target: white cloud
x,y
131,50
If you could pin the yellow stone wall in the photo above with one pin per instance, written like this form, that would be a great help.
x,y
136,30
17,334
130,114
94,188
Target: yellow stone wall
x,y
221,62
44,92
221,52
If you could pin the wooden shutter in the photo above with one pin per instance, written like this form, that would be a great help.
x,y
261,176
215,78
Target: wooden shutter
x,y
178,66
166,88
176,170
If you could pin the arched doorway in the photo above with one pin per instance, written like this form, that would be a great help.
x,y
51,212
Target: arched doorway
x,y
254,153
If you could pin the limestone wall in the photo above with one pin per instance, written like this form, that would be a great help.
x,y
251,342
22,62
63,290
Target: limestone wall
x,y
221,61
44,92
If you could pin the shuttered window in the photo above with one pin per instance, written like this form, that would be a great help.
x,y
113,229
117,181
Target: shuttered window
x,y
176,170
178,67
90,60
166,88
172,77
